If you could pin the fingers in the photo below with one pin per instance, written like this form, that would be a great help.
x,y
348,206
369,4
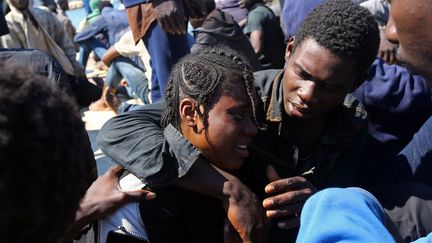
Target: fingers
x,y
116,170
171,17
287,198
285,211
272,174
393,56
286,184
178,24
138,195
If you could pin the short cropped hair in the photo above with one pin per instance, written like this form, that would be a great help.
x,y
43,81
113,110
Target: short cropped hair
x,y
43,175
344,28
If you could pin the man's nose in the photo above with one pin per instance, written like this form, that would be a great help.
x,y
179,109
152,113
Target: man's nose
x,y
251,129
306,90
391,32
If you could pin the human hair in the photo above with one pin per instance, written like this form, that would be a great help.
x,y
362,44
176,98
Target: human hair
x,y
104,4
43,175
200,76
345,29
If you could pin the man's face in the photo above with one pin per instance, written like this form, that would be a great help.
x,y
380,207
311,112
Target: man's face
x,y
410,25
20,4
315,80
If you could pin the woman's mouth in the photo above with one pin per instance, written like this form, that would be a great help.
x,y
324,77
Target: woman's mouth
x,y
242,150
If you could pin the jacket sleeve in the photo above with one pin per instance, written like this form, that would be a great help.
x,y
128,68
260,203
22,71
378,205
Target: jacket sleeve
x,y
136,141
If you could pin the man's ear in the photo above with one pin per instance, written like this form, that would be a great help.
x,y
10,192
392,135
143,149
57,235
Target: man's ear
x,y
289,48
188,112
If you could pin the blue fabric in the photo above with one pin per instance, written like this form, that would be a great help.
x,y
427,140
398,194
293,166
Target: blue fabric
x,y
86,5
123,67
343,215
112,22
418,154
164,50
91,44
293,14
398,103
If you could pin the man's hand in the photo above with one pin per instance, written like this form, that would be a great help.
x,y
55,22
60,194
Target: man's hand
x,y
387,50
288,198
170,15
245,214
104,196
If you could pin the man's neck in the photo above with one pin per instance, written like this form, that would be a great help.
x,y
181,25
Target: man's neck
x,y
305,134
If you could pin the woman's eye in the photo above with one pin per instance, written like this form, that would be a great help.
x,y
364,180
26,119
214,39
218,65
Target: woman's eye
x,y
238,117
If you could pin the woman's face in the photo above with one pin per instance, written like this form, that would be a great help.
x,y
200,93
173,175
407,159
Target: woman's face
x,y
230,129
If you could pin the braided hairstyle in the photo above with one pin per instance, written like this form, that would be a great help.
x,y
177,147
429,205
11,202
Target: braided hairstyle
x,y
203,76
345,29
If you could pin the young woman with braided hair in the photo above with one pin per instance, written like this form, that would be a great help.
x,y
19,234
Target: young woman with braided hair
x,y
210,101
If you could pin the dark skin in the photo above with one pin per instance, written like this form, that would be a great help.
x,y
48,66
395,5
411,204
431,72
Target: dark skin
x,y
387,50
102,198
256,37
408,26
170,15
229,128
315,82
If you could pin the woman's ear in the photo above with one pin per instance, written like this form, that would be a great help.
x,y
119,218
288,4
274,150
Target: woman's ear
x,y
188,113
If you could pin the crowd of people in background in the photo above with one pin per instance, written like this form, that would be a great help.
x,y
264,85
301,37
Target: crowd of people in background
x,y
257,121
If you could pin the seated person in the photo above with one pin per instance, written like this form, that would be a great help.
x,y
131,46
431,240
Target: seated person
x,y
45,32
220,28
112,24
316,133
126,62
211,104
265,34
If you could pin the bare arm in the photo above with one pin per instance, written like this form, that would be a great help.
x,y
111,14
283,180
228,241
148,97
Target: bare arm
x,y
257,40
170,15
102,198
110,55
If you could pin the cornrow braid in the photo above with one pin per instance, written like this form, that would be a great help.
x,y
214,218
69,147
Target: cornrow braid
x,y
199,75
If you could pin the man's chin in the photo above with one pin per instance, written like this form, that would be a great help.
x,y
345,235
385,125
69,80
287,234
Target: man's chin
x,y
422,70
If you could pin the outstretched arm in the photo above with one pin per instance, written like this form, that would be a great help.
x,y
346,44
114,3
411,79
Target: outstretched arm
x,y
102,198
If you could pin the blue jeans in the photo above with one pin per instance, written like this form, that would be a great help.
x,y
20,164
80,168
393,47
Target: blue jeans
x,y
123,67
164,50
89,45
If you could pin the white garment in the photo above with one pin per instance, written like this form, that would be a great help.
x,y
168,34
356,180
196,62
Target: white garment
x,y
48,35
126,220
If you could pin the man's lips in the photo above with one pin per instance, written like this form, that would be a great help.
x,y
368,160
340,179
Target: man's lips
x,y
301,108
